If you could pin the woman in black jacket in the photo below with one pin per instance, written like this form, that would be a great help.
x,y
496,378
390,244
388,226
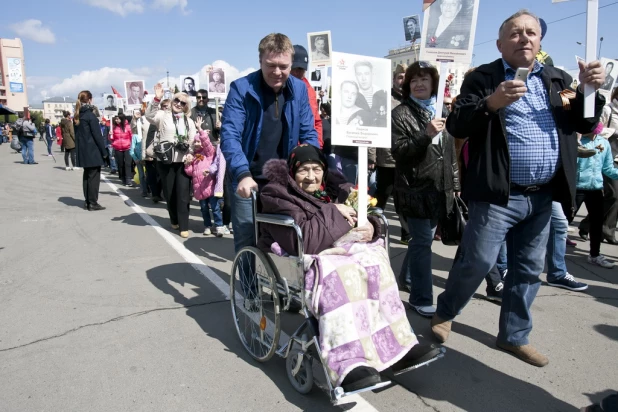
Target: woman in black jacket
x,y
427,176
91,148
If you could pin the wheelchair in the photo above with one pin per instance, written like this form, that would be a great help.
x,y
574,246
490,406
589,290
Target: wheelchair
x,y
262,286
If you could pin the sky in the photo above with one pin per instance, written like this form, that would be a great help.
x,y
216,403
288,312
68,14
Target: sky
x,y
72,45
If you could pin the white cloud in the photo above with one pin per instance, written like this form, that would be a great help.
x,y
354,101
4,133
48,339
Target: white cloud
x,y
167,5
100,81
34,30
126,7
121,7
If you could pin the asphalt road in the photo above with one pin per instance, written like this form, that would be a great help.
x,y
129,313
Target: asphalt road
x,y
112,311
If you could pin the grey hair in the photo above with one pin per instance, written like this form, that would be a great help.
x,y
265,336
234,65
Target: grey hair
x,y
522,12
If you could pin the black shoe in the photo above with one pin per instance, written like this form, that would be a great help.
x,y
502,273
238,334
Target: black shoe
x,y
360,378
95,207
583,235
494,293
86,205
156,199
418,355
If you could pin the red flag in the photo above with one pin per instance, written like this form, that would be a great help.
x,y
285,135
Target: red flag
x,y
118,95
427,3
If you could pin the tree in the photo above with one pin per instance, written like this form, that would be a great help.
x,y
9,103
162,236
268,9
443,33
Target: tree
x,y
176,89
37,118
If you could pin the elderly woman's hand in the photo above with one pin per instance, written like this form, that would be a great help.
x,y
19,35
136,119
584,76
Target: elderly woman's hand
x,y
348,212
366,231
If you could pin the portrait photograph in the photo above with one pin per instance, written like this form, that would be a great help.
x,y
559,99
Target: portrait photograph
x,y
110,103
449,28
611,70
216,83
361,104
189,85
168,93
320,48
134,90
412,27
316,75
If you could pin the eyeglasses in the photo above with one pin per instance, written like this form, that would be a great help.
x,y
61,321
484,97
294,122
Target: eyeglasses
x,y
178,101
202,97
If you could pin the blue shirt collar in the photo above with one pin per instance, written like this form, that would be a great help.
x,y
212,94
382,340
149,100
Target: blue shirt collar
x,y
535,70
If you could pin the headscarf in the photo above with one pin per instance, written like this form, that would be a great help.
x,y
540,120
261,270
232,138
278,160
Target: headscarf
x,y
306,153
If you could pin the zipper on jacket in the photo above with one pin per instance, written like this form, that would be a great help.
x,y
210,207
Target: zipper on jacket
x,y
277,105
502,120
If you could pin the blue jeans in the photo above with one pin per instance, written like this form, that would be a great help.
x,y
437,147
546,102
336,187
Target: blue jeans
x,y
244,235
556,245
112,159
524,222
143,182
49,142
416,269
27,150
502,262
216,211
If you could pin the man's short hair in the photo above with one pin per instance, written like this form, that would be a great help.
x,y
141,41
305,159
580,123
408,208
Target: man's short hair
x,y
135,84
318,38
522,12
190,78
363,63
203,92
349,82
276,43
110,97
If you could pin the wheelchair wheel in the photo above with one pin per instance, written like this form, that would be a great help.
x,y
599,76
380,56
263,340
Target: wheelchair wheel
x,y
303,380
255,303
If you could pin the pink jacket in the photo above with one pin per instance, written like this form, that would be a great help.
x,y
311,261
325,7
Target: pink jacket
x,y
204,160
121,137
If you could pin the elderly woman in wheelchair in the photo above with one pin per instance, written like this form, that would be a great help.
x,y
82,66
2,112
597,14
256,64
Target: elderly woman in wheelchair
x,y
349,286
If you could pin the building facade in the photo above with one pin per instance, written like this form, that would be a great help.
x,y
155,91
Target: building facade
x,y
13,86
53,108
408,54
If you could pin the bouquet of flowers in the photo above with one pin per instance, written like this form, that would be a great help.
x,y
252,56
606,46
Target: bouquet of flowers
x,y
352,200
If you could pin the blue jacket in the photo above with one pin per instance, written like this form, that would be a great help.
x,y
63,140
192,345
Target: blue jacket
x,y
590,171
241,121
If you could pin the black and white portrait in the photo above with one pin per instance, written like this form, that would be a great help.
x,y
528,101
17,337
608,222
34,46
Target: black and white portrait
x,y
610,74
167,93
450,24
110,103
216,81
361,101
190,85
134,90
320,48
412,27
316,75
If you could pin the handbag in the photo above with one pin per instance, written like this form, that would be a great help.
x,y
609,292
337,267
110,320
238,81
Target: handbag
x,y
452,226
164,152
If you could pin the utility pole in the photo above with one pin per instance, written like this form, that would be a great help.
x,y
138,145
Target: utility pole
x,y
168,79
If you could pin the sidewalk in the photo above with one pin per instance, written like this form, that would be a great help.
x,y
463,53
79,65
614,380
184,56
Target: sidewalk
x,y
103,312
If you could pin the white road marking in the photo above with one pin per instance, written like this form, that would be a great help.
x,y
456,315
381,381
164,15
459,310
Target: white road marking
x,y
361,404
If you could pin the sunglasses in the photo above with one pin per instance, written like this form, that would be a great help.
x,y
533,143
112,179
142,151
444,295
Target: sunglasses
x,y
202,97
178,101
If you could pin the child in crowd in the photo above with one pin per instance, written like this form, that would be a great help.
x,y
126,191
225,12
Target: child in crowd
x,y
207,168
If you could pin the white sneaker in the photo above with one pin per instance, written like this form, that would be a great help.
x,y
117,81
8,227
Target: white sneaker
x,y
600,261
231,229
207,232
220,231
67,168
226,231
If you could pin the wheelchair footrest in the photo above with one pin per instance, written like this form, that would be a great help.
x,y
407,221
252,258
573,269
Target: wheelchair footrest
x,y
338,392
438,356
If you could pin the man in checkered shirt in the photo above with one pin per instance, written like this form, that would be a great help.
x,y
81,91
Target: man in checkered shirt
x,y
522,155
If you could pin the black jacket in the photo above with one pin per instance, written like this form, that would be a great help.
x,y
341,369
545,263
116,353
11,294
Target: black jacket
x,y
427,174
488,172
88,139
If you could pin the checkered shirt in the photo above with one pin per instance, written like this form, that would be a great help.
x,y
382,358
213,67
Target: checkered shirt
x,y
531,132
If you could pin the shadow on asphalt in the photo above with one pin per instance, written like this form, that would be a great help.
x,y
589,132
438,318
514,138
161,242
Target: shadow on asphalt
x,y
217,323
212,248
609,331
71,201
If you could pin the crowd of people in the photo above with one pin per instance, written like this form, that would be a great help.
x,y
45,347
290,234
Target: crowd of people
x,y
523,179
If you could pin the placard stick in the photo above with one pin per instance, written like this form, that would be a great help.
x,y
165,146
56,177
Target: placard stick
x,y
440,98
592,20
216,111
362,185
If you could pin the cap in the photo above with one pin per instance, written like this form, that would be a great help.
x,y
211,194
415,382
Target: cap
x,y
301,58
400,69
